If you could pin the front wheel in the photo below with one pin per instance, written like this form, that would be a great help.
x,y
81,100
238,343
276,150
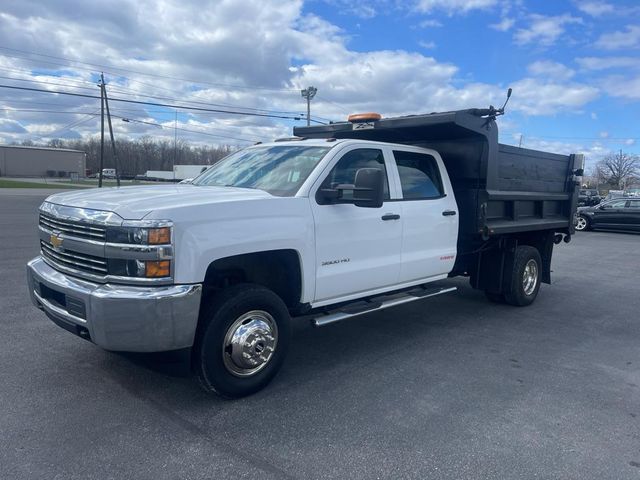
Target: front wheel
x,y
582,223
525,280
242,340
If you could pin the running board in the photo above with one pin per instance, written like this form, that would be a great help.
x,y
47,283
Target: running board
x,y
360,308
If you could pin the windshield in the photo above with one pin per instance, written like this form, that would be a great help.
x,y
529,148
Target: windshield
x,y
279,170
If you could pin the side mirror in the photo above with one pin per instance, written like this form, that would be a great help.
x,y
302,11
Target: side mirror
x,y
368,189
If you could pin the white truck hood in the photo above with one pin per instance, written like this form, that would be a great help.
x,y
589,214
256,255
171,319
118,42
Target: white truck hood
x,y
133,203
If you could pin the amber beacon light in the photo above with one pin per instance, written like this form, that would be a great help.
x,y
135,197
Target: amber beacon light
x,y
364,117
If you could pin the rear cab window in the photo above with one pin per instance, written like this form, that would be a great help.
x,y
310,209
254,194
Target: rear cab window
x,y
419,175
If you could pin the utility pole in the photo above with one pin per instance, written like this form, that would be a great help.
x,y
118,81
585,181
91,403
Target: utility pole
x,y
113,142
101,133
309,93
520,143
175,145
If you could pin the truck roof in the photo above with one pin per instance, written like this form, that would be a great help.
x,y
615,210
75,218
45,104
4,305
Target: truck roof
x,y
322,142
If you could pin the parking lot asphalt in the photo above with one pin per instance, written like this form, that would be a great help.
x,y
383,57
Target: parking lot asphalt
x,y
452,387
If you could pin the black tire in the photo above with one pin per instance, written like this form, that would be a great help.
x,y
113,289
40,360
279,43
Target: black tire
x,y
580,226
520,294
213,364
494,297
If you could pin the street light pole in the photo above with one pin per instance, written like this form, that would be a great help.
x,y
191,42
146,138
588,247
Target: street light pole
x,y
309,93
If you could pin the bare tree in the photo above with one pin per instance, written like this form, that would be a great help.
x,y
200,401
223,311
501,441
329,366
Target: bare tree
x,y
145,153
620,168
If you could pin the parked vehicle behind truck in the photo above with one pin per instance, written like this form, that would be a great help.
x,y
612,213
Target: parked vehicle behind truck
x,y
347,219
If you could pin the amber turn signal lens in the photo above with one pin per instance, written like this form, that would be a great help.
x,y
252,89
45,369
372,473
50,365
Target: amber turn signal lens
x,y
159,236
158,269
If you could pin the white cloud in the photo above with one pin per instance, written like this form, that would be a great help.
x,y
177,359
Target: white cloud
x,y
427,45
544,30
630,141
594,116
606,63
364,10
534,96
629,38
452,7
551,70
595,9
604,134
593,151
504,25
623,87
255,54
430,23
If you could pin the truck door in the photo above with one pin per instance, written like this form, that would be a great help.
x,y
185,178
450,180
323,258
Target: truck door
x,y
357,248
429,214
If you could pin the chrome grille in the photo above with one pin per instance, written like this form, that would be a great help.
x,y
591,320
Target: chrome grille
x,y
77,261
73,228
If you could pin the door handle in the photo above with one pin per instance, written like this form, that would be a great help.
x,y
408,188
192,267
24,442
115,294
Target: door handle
x,y
448,213
390,216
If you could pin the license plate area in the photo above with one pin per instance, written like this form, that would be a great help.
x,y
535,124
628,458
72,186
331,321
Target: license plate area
x,y
74,306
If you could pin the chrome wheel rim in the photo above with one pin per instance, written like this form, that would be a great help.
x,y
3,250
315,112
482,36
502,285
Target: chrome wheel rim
x,y
581,224
530,277
249,343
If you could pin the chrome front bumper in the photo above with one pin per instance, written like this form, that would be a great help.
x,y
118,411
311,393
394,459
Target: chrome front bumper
x,y
117,317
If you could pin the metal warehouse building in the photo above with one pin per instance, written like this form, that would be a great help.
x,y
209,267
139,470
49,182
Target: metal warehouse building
x,y
18,161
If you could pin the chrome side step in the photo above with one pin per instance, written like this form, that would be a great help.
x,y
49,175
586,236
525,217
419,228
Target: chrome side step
x,y
360,308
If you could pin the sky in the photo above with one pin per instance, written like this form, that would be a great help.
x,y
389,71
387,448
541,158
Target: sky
x,y
574,67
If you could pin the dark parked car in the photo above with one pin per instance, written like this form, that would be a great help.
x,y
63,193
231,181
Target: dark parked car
x,y
618,214
588,197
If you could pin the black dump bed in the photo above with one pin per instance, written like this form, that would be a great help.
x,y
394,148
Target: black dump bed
x,y
500,189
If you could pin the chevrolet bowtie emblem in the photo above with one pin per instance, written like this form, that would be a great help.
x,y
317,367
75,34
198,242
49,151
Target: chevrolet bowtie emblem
x,y
56,240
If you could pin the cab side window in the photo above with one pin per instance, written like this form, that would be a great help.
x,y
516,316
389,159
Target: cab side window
x,y
345,170
635,204
419,175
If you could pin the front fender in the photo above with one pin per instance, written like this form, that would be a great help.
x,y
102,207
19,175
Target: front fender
x,y
246,227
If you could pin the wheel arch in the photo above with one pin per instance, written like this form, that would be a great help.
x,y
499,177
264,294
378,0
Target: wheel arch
x,y
278,270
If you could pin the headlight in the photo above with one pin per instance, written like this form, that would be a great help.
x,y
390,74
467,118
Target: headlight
x,y
139,235
140,249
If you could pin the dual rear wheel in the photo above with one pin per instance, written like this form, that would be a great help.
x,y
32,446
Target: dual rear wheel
x,y
525,280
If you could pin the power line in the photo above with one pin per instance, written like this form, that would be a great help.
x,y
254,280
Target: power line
x,y
126,119
152,96
73,124
32,74
121,91
95,114
342,107
129,119
139,102
43,111
46,83
137,72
